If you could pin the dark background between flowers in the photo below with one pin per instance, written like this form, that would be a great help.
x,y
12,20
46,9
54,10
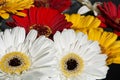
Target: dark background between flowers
x,y
114,69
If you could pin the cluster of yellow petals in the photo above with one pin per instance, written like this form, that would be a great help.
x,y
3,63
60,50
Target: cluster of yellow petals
x,y
80,22
8,7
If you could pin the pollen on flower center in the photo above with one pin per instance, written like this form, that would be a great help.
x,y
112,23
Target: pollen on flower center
x,y
14,63
42,29
71,65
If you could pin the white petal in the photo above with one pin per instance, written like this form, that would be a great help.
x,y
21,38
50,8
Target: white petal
x,y
95,13
94,46
19,35
44,60
83,10
64,40
40,44
11,49
32,75
2,45
46,71
57,42
79,41
82,40
7,38
96,72
68,38
69,35
25,46
88,55
31,35
98,60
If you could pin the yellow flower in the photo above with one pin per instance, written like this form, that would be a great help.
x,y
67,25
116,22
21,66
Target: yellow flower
x,y
8,7
108,43
82,21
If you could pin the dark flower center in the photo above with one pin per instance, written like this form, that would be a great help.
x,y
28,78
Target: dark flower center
x,y
71,64
42,30
15,62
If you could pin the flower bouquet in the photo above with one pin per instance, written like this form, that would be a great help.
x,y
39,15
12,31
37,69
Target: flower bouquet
x,y
58,39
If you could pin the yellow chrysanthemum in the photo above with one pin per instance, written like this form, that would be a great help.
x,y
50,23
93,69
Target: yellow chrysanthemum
x,y
108,42
82,21
8,7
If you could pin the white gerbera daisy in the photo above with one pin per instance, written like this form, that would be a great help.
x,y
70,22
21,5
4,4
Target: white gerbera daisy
x,y
25,57
78,58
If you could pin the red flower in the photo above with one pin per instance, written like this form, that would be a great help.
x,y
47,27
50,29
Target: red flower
x,y
59,5
45,20
110,16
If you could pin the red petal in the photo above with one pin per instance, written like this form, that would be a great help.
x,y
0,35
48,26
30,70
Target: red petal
x,y
117,32
46,16
52,18
112,10
103,23
32,15
102,9
101,18
60,5
118,13
11,24
108,9
22,21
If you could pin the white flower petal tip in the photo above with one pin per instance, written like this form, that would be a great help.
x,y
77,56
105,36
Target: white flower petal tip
x,y
87,6
83,10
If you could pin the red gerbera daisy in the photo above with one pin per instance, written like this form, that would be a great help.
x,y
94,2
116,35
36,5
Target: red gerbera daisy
x,y
110,16
59,5
45,20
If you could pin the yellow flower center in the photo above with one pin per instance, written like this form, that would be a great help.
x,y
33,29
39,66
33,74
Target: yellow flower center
x,y
71,65
42,29
14,63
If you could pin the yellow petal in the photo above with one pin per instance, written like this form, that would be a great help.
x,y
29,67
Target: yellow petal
x,y
5,15
91,34
98,33
95,23
21,14
67,17
103,38
114,51
87,21
110,39
73,19
115,45
81,22
116,60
